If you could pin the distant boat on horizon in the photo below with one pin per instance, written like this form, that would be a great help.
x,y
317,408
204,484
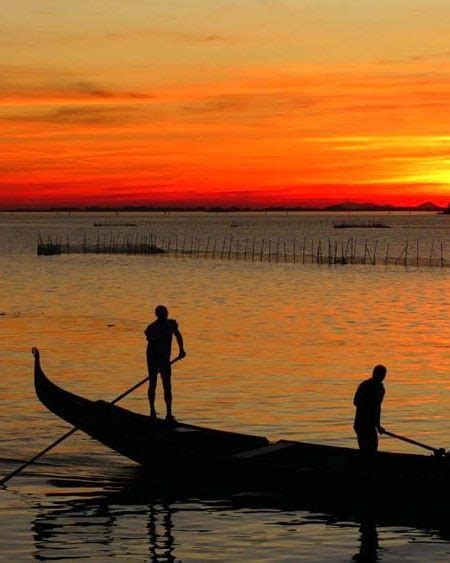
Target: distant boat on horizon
x,y
361,225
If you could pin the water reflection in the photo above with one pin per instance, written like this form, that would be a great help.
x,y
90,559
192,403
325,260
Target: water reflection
x,y
69,529
82,528
133,523
160,532
369,547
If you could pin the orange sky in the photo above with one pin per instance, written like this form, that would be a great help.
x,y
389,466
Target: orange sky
x,y
256,102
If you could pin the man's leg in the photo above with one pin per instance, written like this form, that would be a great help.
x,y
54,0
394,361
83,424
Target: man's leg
x,y
166,377
153,378
152,381
368,440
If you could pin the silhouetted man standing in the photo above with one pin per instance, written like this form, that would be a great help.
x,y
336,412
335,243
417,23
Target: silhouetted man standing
x,y
368,399
159,336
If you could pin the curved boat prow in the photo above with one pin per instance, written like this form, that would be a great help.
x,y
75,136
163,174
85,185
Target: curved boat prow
x,y
37,360
135,435
66,405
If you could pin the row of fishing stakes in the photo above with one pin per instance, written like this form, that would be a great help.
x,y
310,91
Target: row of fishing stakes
x,y
296,250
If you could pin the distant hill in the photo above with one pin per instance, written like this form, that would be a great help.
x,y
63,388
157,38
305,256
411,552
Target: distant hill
x,y
428,206
353,206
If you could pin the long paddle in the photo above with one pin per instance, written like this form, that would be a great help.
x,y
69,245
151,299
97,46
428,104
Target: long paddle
x,y
437,451
70,432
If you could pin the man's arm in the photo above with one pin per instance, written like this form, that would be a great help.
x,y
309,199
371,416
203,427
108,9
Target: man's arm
x,y
379,427
357,396
181,351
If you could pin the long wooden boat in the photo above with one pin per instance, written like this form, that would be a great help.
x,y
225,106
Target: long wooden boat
x,y
185,451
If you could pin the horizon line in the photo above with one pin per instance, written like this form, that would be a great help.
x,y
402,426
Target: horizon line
x,y
348,205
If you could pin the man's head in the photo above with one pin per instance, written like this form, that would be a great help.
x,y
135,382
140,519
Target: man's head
x,y
379,372
161,312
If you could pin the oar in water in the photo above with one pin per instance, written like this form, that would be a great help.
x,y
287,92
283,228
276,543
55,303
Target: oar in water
x,y
70,432
440,452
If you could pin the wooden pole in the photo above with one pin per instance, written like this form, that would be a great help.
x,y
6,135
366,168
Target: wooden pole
x,y
230,247
375,253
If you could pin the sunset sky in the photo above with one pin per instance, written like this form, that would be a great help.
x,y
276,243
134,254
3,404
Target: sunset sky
x,y
215,102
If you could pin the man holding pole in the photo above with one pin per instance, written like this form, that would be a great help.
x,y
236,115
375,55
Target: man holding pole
x,y
159,336
367,400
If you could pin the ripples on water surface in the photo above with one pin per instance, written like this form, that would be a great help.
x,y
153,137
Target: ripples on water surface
x,y
273,349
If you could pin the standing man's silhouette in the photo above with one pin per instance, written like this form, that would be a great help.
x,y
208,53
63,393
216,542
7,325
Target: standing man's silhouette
x,y
368,399
159,336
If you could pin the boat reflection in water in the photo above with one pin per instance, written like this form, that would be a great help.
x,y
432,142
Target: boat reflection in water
x,y
160,532
135,523
369,546
99,528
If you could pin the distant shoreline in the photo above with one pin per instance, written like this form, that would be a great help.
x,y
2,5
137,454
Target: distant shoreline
x,y
342,207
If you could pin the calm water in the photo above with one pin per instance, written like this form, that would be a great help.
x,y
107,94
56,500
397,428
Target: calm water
x,y
273,349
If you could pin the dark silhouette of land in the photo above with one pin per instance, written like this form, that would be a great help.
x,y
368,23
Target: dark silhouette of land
x,y
339,207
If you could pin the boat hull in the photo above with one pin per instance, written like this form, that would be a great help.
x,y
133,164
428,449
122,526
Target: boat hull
x,y
186,452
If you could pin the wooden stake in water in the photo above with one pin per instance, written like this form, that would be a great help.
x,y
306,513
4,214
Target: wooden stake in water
x,y
374,262
230,247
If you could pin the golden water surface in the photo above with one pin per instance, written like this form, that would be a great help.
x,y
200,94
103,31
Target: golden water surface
x,y
272,349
